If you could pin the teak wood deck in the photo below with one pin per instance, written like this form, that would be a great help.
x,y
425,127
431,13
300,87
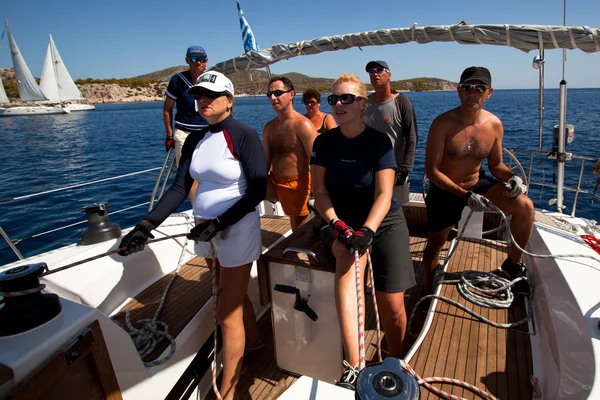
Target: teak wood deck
x,y
459,346
189,291
262,379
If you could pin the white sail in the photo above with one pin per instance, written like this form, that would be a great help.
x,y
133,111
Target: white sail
x,y
28,87
56,82
3,96
48,83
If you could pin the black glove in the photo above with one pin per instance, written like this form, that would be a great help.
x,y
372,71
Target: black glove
x,y
205,231
169,143
135,240
401,177
342,231
360,241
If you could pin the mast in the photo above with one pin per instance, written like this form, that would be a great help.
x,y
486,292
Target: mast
x,y
54,65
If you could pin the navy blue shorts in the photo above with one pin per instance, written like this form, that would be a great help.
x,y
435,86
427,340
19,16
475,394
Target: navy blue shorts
x,y
393,269
444,208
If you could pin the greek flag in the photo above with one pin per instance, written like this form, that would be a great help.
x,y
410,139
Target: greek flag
x,y
247,35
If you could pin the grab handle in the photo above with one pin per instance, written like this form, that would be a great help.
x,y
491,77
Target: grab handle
x,y
299,250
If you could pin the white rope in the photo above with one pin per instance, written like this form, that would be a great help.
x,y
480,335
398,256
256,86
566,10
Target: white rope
x,y
555,256
151,331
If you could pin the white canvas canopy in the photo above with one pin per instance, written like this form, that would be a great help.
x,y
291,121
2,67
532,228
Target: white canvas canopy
x,y
56,82
28,87
522,37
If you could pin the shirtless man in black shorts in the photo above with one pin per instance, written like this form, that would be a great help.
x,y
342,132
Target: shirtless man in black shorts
x,y
458,142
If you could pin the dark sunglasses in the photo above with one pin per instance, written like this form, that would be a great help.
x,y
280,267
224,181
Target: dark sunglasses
x,y
209,94
278,93
196,59
345,98
465,87
309,102
378,70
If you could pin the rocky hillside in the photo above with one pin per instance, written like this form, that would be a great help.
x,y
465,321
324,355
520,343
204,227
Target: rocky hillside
x,y
151,87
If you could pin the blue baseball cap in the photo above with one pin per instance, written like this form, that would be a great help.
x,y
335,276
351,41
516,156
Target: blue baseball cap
x,y
195,51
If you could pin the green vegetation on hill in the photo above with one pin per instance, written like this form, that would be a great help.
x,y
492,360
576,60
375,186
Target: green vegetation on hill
x,y
128,82
245,82
255,82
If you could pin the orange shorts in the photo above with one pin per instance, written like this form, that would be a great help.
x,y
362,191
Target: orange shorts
x,y
293,193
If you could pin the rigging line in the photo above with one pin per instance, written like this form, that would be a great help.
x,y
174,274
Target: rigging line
x,y
17,241
7,200
108,253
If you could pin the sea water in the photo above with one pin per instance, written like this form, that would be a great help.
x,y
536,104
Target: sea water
x,y
41,153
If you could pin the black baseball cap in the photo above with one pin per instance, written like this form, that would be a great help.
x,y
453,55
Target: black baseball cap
x,y
480,74
379,63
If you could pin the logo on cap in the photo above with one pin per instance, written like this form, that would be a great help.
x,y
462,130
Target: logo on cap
x,y
208,78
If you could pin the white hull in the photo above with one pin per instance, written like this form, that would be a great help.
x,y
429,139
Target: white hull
x,y
81,107
98,290
31,110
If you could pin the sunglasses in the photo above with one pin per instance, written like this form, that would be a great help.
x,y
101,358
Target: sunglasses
x,y
465,87
309,102
345,98
378,70
278,93
209,94
196,59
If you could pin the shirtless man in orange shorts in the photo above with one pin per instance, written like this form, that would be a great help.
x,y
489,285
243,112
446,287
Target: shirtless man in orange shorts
x,y
287,142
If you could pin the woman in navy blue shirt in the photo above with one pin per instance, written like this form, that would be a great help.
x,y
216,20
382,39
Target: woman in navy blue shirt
x,y
353,170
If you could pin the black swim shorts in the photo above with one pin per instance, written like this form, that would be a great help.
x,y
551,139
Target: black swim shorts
x,y
444,209
393,269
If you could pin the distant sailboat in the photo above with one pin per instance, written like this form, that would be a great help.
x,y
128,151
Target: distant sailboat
x,y
3,96
58,86
28,87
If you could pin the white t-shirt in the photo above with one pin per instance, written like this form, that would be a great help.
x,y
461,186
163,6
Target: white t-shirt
x,y
221,181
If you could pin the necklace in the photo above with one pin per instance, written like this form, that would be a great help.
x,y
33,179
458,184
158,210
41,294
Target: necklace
x,y
471,140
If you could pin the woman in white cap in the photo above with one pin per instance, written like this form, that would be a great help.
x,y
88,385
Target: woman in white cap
x,y
227,161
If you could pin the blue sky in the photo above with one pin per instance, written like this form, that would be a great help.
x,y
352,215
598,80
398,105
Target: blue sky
x,y
110,39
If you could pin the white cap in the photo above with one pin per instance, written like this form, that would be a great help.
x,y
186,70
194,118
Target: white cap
x,y
213,81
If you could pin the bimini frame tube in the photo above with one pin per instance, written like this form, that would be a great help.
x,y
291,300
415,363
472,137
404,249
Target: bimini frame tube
x,y
541,100
561,156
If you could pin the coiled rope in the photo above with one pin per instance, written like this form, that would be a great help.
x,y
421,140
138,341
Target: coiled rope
x,y
151,331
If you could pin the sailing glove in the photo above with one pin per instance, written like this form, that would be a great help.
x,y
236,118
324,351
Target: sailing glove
x,y
205,231
360,241
342,231
517,186
169,143
401,177
478,202
135,240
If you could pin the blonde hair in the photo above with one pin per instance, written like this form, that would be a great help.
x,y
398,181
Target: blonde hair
x,y
347,77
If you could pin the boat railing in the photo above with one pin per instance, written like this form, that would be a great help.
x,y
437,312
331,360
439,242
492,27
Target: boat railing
x,y
12,243
552,156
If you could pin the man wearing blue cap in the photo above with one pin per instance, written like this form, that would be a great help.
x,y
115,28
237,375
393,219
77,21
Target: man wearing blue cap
x,y
187,118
